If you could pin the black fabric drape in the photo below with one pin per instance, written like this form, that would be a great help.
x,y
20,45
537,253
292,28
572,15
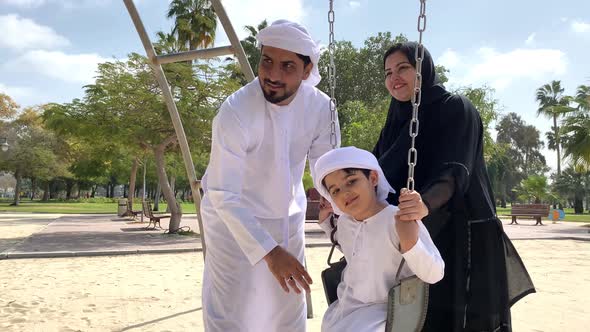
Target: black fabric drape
x,y
484,275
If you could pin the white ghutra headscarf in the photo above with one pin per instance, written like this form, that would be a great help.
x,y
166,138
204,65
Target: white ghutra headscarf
x,y
349,157
292,37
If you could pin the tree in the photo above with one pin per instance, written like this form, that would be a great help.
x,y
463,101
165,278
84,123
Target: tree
x,y
8,107
250,44
124,111
553,104
35,152
483,100
195,22
534,188
573,184
518,149
358,124
359,72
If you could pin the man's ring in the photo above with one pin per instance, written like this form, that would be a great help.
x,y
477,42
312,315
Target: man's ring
x,y
291,278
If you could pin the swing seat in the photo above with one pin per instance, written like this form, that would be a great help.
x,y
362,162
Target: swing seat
x,y
407,305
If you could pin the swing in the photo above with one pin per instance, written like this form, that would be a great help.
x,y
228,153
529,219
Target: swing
x,y
407,302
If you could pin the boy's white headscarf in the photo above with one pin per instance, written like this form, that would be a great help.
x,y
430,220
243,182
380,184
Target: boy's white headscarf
x,y
349,157
292,37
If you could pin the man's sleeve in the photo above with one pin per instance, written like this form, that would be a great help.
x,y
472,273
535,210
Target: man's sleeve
x,y
225,175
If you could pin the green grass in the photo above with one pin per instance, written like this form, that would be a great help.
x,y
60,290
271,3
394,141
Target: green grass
x,y
77,207
569,214
104,206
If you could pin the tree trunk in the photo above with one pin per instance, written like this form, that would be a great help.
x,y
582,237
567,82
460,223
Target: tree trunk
x,y
69,187
578,204
33,188
132,180
93,194
557,143
19,180
46,192
172,185
175,211
113,185
157,197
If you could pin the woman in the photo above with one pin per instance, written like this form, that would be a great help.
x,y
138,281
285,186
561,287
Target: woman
x,y
484,275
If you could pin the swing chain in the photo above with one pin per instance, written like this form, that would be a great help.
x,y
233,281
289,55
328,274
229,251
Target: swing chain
x,y
416,97
332,76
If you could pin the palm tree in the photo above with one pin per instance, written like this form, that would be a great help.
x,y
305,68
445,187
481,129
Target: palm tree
x,y
250,44
167,43
552,104
583,97
195,22
576,129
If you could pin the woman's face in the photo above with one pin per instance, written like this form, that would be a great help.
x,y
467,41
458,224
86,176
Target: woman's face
x,y
399,76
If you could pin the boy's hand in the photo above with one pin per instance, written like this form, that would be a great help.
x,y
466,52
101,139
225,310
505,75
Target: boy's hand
x,y
411,207
325,210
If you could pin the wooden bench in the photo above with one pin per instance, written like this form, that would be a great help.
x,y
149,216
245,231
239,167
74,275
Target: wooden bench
x,y
313,205
533,211
148,213
130,212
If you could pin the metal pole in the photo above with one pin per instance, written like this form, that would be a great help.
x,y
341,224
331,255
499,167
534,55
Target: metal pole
x,y
179,129
233,39
195,54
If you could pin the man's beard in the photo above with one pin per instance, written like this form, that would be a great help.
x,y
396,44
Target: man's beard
x,y
272,96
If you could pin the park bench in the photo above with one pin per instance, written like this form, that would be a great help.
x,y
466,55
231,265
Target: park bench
x,y
154,218
313,205
533,211
130,212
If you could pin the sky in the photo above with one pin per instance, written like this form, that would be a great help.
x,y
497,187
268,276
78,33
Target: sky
x,y
49,49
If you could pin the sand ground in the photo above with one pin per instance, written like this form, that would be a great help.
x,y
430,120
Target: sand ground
x,y
161,292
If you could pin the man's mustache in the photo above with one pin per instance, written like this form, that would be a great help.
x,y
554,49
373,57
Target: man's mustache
x,y
278,83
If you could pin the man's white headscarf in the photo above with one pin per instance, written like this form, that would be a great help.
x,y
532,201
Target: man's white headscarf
x,y
292,37
349,157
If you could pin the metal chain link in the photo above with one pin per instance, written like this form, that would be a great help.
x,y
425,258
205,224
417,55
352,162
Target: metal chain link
x,y
332,76
416,97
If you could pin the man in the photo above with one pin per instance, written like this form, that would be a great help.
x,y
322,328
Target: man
x,y
254,203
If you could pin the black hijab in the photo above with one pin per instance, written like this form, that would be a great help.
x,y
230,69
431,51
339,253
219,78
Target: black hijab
x,y
395,134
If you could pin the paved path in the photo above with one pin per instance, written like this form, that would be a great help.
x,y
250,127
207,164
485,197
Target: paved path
x,y
54,235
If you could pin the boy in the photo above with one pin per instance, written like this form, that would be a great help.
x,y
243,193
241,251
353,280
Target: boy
x,y
371,238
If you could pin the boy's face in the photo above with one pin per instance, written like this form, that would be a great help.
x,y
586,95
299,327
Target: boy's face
x,y
353,193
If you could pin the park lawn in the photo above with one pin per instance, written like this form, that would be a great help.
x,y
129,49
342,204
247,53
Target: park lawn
x,y
187,207
569,214
77,207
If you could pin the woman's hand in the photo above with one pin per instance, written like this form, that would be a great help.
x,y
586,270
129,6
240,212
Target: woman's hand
x,y
325,210
411,207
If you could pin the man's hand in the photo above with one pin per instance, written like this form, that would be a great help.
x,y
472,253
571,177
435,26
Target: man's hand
x,y
411,207
287,270
325,210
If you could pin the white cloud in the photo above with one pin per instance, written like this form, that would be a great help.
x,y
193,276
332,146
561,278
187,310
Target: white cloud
x,y
16,93
531,39
500,70
580,26
73,68
69,4
252,12
24,3
449,59
20,33
354,4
